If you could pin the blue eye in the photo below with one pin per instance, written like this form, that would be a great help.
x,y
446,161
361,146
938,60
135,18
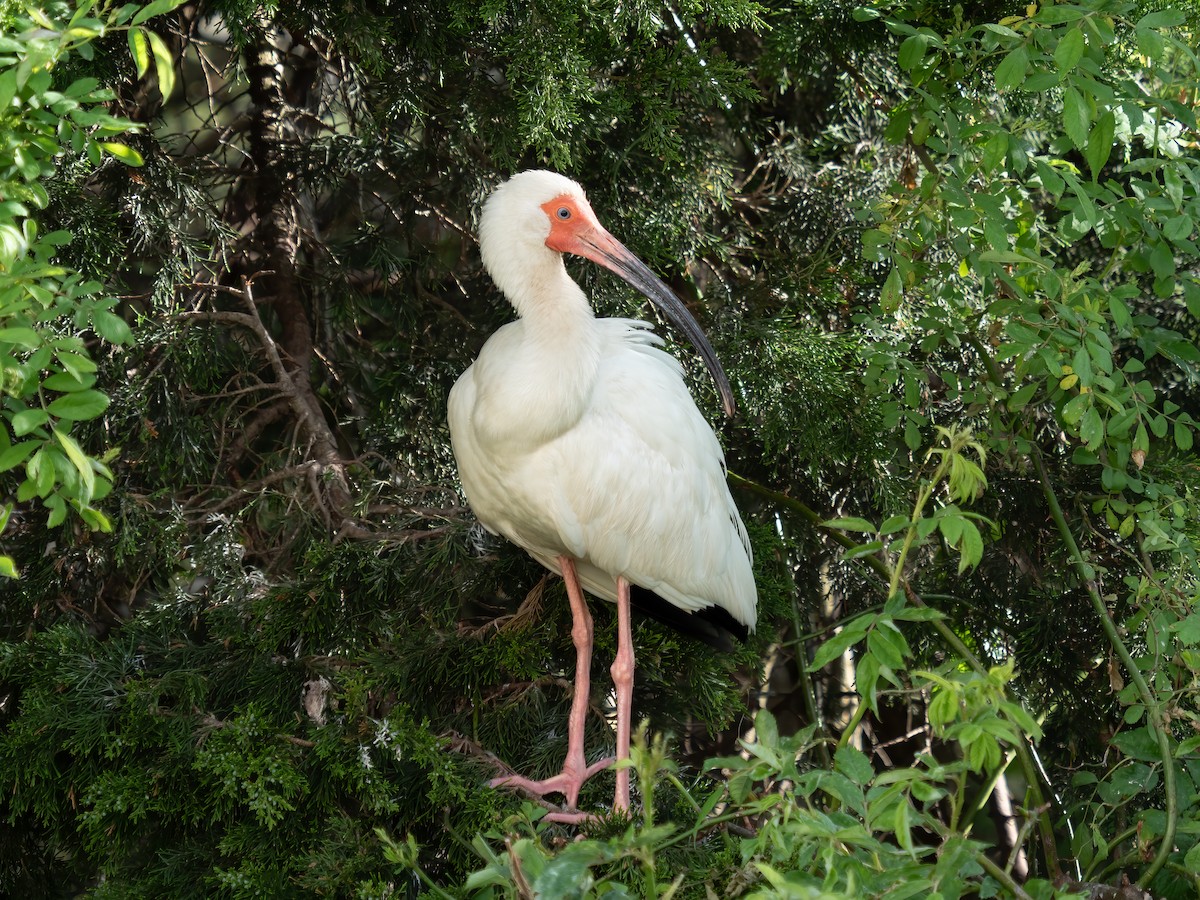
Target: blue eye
x,y
563,213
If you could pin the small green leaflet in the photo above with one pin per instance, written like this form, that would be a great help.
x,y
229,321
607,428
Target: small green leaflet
x,y
79,405
125,154
78,459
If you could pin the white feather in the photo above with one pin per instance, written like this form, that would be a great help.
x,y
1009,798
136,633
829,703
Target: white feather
x,y
577,436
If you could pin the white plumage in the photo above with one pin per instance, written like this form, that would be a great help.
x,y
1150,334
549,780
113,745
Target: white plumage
x,y
577,438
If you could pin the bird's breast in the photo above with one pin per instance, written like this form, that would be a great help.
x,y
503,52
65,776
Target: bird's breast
x,y
529,393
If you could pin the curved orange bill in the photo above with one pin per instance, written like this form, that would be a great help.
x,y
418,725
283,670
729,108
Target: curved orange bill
x,y
600,247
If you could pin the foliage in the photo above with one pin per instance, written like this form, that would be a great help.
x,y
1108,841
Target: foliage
x,y
48,371
843,833
980,243
949,257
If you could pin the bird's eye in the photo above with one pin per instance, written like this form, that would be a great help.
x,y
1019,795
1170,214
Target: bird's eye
x,y
563,213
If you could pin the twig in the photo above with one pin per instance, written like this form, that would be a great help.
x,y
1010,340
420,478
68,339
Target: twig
x,y
1154,712
1001,876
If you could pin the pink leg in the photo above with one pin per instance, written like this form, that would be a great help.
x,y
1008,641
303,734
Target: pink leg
x,y
575,768
622,675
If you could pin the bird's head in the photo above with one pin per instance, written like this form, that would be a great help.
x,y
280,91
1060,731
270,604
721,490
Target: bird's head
x,y
516,230
533,218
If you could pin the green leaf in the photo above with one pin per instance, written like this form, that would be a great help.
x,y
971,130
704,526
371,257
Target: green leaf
x,y
984,755
1165,18
79,406
1100,141
567,874
1191,745
1076,117
1073,412
1137,744
1150,42
1091,428
912,434
1125,529
95,520
902,826
842,789
1158,425
1173,183
1191,859
862,550
951,527
888,646
852,632
866,680
1122,318
80,461
1141,440
898,124
766,728
1057,15
892,292
943,708
8,87
20,335
1183,436
27,490
850,523
111,327
139,49
971,547
47,472
29,419
1023,720
1187,631
1010,74
918,614
854,764
75,363
8,568
1007,257
17,454
995,151
156,8
164,65
1050,179
1069,51
58,511
65,382
1178,228
875,244
912,50
125,154
1020,398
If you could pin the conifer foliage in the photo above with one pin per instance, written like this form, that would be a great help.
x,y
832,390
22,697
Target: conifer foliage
x,y
253,644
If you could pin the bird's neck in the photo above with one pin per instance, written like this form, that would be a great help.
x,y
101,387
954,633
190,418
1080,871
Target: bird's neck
x,y
561,336
549,374
548,300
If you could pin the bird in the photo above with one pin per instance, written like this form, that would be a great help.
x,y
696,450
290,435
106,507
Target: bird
x,y
577,439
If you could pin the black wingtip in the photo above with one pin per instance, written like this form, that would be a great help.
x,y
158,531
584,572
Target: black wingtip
x,y
713,626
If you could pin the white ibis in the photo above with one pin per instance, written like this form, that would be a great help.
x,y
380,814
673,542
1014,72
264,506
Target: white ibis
x,y
576,439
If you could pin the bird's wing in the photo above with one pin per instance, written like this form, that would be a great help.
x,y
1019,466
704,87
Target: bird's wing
x,y
638,486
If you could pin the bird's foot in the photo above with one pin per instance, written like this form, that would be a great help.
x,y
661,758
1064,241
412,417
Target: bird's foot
x,y
567,782
561,817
